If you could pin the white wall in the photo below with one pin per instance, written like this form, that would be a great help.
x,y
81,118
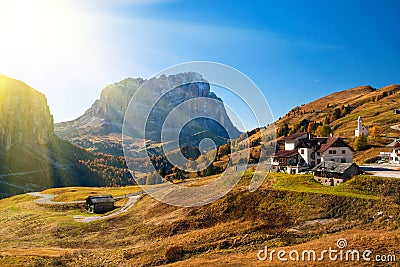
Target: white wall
x,y
337,155
291,145
306,156
394,158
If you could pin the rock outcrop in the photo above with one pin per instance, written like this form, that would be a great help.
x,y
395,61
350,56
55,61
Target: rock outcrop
x,y
25,117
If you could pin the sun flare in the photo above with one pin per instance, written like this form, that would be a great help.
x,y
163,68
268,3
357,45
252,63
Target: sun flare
x,y
39,31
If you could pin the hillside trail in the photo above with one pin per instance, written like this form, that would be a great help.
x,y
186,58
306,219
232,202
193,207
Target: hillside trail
x,y
34,171
47,199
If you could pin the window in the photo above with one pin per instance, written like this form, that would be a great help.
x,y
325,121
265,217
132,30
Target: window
x,y
332,152
343,151
302,151
343,160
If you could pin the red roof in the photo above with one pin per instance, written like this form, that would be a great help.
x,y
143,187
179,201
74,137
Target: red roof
x,y
333,141
286,153
294,136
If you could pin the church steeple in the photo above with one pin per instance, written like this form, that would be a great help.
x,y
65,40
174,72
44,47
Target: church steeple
x,y
361,129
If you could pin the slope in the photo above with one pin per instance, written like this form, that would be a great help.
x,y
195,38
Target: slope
x,y
230,230
340,110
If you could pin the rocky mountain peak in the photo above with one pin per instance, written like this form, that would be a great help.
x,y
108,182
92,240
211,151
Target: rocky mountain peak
x,y
107,113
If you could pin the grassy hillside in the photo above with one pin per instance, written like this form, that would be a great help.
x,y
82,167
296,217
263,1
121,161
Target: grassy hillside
x,y
340,111
374,106
288,211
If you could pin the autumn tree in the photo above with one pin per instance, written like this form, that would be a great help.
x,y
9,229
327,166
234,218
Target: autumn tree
x,y
310,128
375,131
223,150
324,131
361,143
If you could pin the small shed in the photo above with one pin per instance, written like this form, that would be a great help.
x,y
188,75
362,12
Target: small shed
x,y
99,204
335,173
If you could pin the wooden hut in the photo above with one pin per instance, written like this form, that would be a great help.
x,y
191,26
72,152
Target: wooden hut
x,y
99,204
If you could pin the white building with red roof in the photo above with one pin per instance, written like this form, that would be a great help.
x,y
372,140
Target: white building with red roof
x,y
304,151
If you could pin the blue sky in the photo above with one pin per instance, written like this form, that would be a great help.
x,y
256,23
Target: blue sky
x,y
295,51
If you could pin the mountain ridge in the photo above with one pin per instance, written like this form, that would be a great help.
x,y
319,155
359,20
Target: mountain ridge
x,y
101,125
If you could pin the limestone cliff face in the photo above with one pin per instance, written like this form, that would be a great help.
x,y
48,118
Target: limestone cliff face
x,y
107,113
25,117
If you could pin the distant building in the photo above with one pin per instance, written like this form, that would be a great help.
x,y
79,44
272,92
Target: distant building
x,y
99,204
304,151
395,143
394,156
361,129
384,157
333,173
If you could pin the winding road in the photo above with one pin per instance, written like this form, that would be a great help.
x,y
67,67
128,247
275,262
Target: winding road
x,y
47,199
383,170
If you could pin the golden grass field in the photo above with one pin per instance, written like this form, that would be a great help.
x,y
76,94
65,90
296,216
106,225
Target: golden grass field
x,y
288,211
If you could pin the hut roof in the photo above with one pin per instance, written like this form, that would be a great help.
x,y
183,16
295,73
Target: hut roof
x,y
333,167
101,199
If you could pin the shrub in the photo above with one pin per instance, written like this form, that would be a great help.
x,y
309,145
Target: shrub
x,y
173,254
361,143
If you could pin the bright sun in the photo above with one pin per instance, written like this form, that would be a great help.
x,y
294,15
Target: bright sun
x,y
39,30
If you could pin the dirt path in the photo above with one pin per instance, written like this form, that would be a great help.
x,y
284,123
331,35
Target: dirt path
x,y
47,199
35,171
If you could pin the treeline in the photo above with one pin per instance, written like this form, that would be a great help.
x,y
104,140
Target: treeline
x,y
318,128
111,168
321,128
381,96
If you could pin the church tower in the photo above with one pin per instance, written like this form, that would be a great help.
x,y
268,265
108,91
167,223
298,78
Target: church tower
x,y
361,129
